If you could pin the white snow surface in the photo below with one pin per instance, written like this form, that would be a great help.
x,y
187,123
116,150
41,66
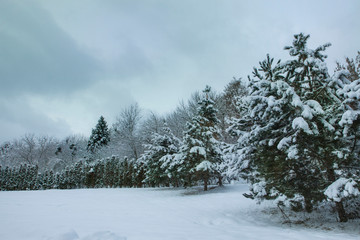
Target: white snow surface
x,y
145,214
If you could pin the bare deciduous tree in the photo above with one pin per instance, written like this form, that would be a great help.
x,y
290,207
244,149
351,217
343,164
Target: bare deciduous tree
x,y
126,130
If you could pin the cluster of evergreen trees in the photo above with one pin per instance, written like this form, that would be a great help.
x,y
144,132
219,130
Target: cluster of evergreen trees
x,y
195,158
299,131
110,172
19,178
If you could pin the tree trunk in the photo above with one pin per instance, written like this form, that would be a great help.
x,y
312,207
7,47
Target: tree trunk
x,y
308,205
339,205
206,180
220,181
205,184
341,212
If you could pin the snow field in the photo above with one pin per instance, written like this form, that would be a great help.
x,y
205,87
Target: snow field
x,y
143,214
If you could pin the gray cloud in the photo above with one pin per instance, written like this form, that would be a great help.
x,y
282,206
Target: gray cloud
x,y
36,55
76,60
18,118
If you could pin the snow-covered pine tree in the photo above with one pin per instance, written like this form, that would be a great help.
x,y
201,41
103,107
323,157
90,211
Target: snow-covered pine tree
x,y
330,99
138,174
5,178
99,170
125,173
100,136
345,183
90,178
33,172
109,172
157,158
48,179
288,138
200,153
41,180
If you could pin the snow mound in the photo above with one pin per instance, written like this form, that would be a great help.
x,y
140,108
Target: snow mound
x,y
104,235
71,235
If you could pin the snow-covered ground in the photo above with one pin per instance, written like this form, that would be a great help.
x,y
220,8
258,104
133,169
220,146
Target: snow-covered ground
x,y
117,214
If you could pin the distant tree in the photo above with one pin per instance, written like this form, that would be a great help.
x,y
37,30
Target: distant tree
x,y
100,136
109,171
226,103
184,113
99,169
45,147
6,150
25,149
32,177
153,123
47,180
90,178
126,132
138,173
352,66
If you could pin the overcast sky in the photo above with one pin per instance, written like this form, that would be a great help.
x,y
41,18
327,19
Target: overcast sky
x,y
63,63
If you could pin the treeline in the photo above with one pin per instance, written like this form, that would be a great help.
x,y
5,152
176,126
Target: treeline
x,y
165,159
105,173
48,153
132,129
